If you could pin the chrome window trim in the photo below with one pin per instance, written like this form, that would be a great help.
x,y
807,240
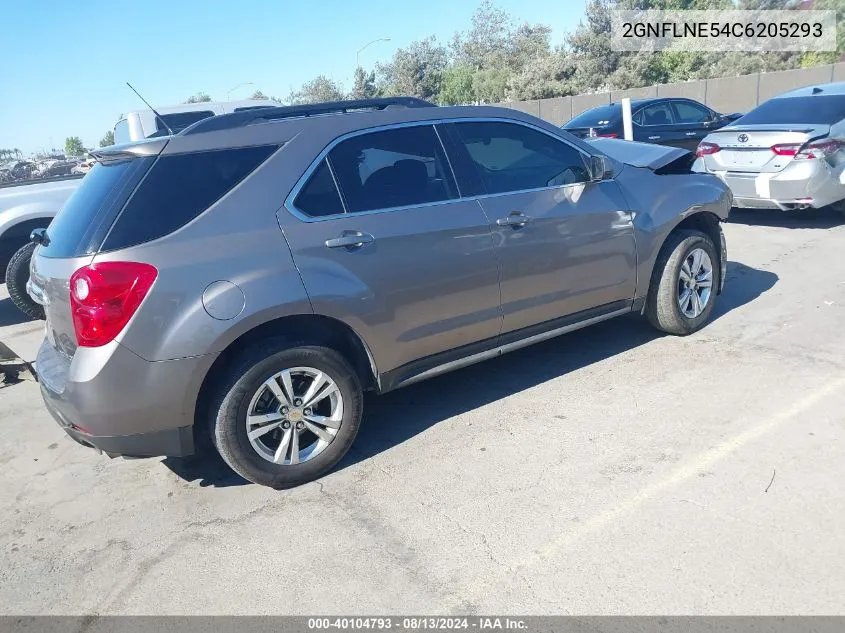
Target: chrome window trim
x,y
299,215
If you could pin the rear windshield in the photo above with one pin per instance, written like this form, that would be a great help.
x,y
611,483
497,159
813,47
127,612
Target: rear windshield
x,y
816,110
601,115
83,222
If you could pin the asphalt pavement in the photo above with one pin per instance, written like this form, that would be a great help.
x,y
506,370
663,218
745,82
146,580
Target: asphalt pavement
x,y
609,471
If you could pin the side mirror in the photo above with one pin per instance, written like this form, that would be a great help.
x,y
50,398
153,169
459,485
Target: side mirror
x,y
40,237
600,168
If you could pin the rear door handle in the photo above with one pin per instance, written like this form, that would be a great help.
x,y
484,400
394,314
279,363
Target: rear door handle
x,y
516,219
350,239
692,133
653,138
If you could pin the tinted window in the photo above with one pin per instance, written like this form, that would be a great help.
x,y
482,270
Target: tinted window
x,y
319,195
121,132
657,114
393,168
82,223
178,188
596,117
510,157
178,121
818,109
690,112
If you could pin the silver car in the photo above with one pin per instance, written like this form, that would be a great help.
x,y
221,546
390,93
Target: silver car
x,y
787,153
247,279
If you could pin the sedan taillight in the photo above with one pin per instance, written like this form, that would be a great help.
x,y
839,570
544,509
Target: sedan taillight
x,y
705,148
818,149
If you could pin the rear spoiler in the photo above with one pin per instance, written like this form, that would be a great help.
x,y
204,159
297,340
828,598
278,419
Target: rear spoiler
x,y
114,153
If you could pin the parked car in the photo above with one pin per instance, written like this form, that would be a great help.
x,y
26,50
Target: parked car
x,y
666,121
26,206
259,278
788,153
142,124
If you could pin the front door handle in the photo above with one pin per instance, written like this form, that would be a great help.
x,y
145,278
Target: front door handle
x,y
516,219
692,133
350,239
654,138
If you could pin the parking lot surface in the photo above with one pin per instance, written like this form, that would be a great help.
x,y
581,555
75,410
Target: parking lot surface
x,y
609,471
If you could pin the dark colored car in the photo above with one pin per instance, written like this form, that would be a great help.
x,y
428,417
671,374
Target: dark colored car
x,y
676,122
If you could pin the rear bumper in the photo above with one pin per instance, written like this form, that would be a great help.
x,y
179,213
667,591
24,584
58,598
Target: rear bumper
x,y
111,399
177,442
800,185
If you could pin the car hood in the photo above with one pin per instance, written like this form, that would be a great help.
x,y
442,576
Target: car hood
x,y
638,154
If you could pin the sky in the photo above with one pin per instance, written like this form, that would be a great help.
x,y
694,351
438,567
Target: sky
x,y
66,63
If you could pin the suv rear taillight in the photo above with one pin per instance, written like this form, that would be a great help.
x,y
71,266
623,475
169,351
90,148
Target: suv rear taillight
x,y
819,149
705,148
104,296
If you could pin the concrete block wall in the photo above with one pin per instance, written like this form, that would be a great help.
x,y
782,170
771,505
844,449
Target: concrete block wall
x,y
723,94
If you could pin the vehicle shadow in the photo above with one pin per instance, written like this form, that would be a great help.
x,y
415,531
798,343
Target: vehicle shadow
x,y
10,315
400,415
825,218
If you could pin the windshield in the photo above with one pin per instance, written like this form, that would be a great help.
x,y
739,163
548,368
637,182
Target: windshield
x,y
596,117
815,110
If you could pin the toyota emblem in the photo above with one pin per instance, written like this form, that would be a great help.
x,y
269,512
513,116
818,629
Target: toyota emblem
x,y
742,138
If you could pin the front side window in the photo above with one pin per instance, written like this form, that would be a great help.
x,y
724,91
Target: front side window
x,y
121,132
392,168
657,114
511,157
691,113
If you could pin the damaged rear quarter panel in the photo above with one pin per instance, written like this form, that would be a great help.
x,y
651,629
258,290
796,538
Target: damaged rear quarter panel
x,y
659,203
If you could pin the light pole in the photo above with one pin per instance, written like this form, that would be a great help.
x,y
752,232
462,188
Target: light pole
x,y
358,52
246,83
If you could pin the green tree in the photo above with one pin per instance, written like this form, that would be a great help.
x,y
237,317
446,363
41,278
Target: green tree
x,y
414,71
456,86
108,139
258,95
364,86
485,44
73,146
199,97
318,90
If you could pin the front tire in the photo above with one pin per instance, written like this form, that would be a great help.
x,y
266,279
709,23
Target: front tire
x,y
17,274
286,413
684,282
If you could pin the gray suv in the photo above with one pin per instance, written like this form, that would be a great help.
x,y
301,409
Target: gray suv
x,y
247,279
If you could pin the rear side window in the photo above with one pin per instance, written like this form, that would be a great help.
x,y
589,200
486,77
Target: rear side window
x,y
815,110
392,168
319,196
180,187
83,222
178,121
657,114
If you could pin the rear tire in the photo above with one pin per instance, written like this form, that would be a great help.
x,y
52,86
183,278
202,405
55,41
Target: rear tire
x,y
671,306
265,383
17,274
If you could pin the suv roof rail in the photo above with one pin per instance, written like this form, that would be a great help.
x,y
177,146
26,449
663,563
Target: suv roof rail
x,y
240,119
